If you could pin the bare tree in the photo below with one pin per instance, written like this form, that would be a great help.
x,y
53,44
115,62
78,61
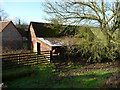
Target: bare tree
x,y
79,11
3,15
117,18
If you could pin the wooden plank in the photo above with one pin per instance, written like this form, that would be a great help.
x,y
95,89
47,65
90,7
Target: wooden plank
x,y
21,59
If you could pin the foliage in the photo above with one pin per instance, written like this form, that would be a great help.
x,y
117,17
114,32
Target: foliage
x,y
24,45
23,29
94,46
62,30
96,52
54,27
95,43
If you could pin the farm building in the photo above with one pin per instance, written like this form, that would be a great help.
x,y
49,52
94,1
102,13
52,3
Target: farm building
x,y
10,37
53,44
42,38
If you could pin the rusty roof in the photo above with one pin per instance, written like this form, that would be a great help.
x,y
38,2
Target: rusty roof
x,y
3,24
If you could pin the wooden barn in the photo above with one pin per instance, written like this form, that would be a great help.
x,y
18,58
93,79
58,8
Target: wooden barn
x,y
42,38
9,35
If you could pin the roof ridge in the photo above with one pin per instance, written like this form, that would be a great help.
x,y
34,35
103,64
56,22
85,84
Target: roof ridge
x,y
5,21
40,22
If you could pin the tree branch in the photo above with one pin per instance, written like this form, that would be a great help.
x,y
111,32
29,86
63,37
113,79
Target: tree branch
x,y
82,17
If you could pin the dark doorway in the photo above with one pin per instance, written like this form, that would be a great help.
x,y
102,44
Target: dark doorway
x,y
38,48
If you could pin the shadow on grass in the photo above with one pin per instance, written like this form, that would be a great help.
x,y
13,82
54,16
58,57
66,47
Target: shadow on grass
x,y
82,81
45,78
12,74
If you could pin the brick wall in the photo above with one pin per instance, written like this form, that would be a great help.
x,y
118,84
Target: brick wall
x,y
33,39
44,46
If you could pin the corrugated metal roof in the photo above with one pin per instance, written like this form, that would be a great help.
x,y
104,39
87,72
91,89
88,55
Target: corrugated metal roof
x,y
51,41
58,41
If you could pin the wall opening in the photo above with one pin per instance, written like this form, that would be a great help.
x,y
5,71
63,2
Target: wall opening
x,y
38,48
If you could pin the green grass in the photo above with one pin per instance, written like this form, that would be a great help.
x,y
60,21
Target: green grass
x,y
40,79
84,80
46,78
11,74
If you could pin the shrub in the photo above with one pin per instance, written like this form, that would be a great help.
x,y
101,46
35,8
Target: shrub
x,y
94,51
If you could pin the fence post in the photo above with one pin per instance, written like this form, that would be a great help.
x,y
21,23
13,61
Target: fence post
x,y
18,58
50,56
37,57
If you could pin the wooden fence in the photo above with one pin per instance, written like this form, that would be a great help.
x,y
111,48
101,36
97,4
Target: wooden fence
x,y
24,59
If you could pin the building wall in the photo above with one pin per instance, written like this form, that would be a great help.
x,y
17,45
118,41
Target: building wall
x,y
11,38
44,46
33,42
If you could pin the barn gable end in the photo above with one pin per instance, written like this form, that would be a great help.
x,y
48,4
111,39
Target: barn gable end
x,y
11,38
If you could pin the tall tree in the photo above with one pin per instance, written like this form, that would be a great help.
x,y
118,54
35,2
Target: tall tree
x,y
117,18
79,11
21,26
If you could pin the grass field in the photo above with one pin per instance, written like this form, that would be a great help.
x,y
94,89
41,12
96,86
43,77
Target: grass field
x,y
44,76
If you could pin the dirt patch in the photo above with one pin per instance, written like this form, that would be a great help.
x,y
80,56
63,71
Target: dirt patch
x,y
112,82
110,66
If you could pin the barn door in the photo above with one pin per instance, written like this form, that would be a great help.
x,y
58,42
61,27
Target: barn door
x,y
38,48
